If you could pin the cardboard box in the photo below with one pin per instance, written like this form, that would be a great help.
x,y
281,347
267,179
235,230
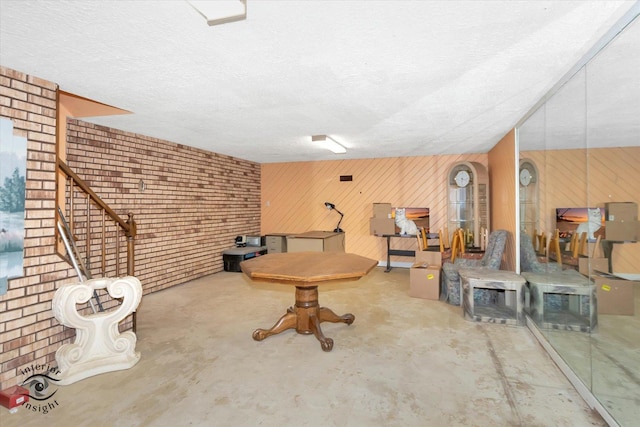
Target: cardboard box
x,y
621,211
316,241
382,210
380,226
622,231
430,257
615,296
586,266
424,281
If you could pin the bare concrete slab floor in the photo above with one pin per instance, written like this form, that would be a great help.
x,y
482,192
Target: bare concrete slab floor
x,y
404,362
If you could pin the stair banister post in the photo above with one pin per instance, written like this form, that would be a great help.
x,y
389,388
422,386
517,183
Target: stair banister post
x,y
131,235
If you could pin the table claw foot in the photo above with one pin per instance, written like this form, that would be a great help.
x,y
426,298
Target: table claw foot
x,y
287,321
314,325
327,344
259,334
327,315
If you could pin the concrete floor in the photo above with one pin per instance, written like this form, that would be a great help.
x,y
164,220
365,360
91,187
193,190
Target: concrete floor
x,y
403,362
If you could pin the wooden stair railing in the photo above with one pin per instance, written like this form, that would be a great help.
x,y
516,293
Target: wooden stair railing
x,y
75,184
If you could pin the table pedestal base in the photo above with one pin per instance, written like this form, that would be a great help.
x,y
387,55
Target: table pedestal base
x,y
305,316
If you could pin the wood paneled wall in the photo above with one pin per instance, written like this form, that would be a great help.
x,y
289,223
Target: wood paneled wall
x,y
610,174
502,180
293,196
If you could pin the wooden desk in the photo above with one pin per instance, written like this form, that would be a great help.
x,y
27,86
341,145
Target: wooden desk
x,y
316,241
306,271
401,252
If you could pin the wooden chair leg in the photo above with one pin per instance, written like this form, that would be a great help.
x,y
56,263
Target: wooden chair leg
x,y
454,247
425,242
554,246
574,245
461,240
445,232
542,244
582,246
422,242
484,239
441,239
596,249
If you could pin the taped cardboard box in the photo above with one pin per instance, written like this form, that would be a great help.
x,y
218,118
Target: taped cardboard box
x,y
622,231
424,281
380,226
621,211
382,210
615,296
431,257
587,266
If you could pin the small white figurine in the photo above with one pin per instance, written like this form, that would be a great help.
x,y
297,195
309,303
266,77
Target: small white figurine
x,y
406,225
593,224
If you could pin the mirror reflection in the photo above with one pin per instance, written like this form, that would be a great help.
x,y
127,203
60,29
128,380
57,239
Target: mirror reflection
x,y
578,219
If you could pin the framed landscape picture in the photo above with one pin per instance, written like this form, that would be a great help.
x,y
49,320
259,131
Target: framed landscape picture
x,y
13,152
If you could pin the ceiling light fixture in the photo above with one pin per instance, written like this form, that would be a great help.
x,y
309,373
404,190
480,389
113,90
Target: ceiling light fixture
x,y
220,11
329,143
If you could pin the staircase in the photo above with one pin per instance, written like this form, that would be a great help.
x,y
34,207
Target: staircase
x,y
96,240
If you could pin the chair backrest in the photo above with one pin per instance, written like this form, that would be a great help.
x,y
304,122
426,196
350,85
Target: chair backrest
x,y
495,248
528,257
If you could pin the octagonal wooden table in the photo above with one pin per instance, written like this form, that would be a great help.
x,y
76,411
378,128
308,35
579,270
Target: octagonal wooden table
x,y
306,271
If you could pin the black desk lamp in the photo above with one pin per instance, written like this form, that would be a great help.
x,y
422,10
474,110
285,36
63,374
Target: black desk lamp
x,y
331,206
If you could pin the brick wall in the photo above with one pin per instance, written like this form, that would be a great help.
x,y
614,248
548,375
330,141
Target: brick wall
x,y
194,204
28,332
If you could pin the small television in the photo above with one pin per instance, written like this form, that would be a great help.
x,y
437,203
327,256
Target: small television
x,y
568,220
418,215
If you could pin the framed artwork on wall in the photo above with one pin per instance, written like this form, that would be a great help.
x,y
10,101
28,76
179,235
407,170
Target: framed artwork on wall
x,y
13,152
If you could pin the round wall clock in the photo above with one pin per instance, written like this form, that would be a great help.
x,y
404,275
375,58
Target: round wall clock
x,y
462,178
525,177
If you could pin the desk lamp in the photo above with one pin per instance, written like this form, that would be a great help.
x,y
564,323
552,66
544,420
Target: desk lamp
x,y
331,206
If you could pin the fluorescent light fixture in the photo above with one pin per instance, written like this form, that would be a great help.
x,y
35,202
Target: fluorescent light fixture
x,y
329,143
220,11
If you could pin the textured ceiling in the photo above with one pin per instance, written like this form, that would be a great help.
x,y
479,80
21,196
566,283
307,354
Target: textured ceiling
x,y
384,78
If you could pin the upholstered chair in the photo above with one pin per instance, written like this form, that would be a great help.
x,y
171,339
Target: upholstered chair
x,y
529,259
492,258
